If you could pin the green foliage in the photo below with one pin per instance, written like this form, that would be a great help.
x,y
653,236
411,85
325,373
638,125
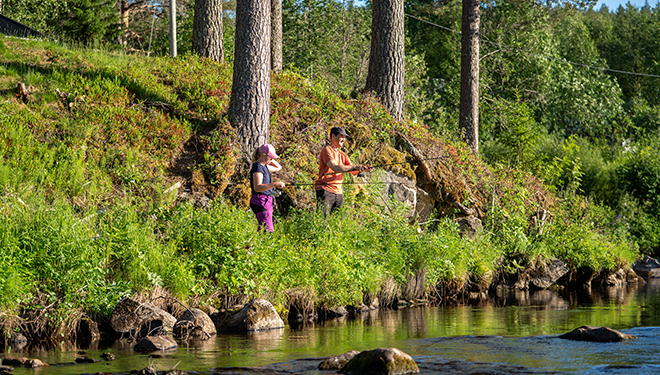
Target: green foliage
x,y
329,40
85,160
638,176
628,39
515,136
41,15
589,235
645,119
577,157
90,21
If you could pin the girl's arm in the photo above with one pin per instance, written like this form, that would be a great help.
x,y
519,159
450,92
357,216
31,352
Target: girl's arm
x,y
274,166
257,179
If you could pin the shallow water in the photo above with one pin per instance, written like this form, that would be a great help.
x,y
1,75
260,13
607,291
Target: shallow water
x,y
515,333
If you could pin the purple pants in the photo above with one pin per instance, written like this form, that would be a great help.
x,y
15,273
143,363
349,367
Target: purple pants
x,y
262,206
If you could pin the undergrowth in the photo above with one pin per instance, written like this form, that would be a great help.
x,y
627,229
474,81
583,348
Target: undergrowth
x,y
86,216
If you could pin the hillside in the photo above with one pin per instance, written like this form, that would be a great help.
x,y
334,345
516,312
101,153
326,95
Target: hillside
x,y
118,177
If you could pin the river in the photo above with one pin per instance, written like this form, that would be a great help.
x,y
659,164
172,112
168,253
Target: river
x,y
514,333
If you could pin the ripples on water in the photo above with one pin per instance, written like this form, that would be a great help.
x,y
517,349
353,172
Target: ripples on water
x,y
515,333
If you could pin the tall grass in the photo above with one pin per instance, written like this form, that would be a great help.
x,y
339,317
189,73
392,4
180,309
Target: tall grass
x,y
83,221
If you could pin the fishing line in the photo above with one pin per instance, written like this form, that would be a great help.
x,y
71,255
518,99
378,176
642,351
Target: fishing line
x,y
411,162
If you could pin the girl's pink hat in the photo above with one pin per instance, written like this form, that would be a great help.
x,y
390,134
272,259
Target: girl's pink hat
x,y
269,150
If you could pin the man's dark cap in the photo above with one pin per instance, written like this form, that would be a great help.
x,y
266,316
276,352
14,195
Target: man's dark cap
x,y
337,130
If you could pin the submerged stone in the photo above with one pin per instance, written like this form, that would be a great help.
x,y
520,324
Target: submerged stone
x,y
14,361
34,363
596,334
108,356
154,343
381,361
86,359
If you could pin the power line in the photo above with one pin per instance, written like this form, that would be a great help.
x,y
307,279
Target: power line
x,y
538,55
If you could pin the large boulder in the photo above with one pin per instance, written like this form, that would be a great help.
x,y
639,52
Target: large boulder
x,y
194,324
257,315
552,271
647,267
381,361
145,319
404,190
596,334
337,362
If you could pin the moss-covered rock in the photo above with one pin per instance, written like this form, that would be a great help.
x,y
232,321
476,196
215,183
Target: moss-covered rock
x,y
381,361
257,315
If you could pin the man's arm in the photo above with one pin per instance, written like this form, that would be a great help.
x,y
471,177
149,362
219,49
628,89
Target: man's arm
x,y
348,168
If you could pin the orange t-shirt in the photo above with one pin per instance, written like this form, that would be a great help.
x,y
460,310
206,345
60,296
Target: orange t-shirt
x,y
331,182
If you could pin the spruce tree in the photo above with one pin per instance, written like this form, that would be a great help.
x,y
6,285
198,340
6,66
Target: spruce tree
x,y
90,21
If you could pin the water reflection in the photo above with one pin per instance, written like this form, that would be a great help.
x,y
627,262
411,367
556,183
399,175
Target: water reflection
x,y
514,332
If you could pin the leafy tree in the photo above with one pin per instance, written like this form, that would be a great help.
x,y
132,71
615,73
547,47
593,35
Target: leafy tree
x,y
634,46
328,40
582,101
639,178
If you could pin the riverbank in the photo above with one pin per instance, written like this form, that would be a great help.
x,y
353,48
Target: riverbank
x,y
118,179
507,332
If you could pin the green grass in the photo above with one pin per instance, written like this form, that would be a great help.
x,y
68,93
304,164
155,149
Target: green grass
x,y
83,219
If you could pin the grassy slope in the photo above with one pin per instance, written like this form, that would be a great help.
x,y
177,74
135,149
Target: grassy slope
x,y
86,217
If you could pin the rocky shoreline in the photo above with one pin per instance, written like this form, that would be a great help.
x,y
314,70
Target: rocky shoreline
x,y
148,328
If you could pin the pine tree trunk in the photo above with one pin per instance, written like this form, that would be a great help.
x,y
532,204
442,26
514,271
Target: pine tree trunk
x,y
386,63
207,29
469,107
276,35
249,106
123,22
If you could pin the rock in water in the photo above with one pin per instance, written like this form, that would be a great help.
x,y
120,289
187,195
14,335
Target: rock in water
x,y
255,316
337,362
596,334
130,316
381,361
153,343
194,324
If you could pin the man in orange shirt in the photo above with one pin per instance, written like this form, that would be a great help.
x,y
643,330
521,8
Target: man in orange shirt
x,y
333,163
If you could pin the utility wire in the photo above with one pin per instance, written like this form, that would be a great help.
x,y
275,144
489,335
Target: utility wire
x,y
538,55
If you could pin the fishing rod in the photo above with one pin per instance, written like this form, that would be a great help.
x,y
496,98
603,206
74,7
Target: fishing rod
x,y
411,162
343,183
